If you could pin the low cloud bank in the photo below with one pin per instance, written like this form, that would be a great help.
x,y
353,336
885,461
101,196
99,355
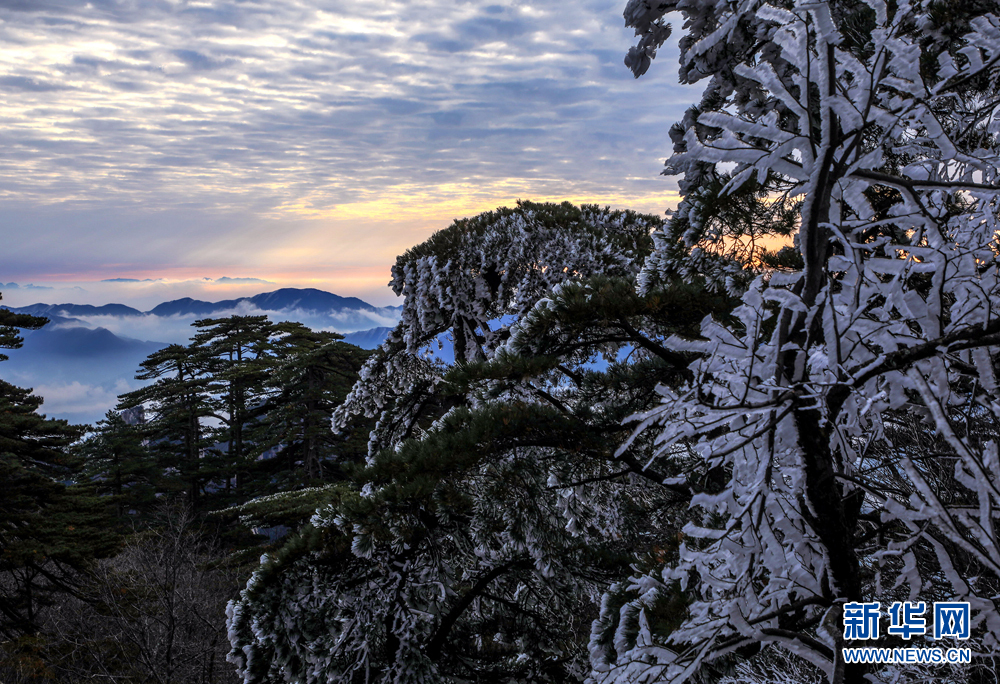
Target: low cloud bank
x,y
177,329
78,402
25,286
75,401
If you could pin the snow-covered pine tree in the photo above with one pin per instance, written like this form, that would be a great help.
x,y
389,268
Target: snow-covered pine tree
x,y
880,120
468,284
494,512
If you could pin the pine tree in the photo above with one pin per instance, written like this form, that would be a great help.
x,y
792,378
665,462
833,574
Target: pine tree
x,y
494,511
175,406
234,355
469,283
117,461
310,375
49,533
877,123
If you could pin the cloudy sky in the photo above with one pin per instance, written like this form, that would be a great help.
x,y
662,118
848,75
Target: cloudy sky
x,y
302,142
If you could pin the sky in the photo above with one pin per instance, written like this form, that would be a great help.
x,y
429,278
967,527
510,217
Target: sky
x,y
198,145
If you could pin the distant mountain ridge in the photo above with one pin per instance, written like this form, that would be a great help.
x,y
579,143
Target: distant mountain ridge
x,y
304,299
368,339
70,310
79,342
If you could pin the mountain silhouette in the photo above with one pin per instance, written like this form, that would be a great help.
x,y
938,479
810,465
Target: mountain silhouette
x,y
304,299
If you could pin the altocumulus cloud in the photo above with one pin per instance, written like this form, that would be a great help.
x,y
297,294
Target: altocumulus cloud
x,y
287,108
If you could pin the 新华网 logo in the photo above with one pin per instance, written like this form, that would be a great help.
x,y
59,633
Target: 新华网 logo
x,y
906,620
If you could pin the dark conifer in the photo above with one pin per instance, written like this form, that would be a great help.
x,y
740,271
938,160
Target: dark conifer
x,y
174,406
49,532
235,355
119,464
313,372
